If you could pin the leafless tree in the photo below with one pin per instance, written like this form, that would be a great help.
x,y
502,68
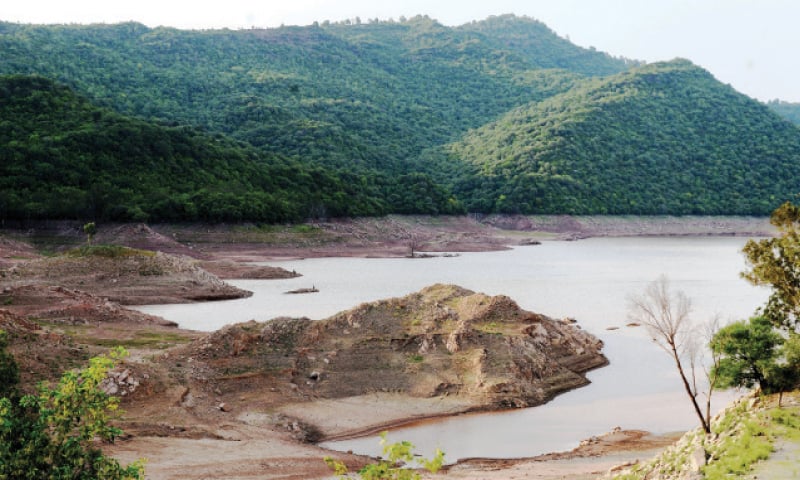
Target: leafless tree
x,y
414,243
666,315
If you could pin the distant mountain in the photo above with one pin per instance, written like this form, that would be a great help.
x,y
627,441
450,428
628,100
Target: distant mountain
x,y
380,117
665,138
788,110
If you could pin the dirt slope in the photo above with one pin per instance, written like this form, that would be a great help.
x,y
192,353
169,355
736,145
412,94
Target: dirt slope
x,y
123,275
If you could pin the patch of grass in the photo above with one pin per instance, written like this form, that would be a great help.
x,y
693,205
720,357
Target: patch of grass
x,y
107,251
736,454
305,229
155,340
492,328
788,420
417,358
754,442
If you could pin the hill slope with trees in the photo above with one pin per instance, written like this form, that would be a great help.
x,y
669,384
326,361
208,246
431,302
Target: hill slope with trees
x,y
356,96
665,138
63,157
367,118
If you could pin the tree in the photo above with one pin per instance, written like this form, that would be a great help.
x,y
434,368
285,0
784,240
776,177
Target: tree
x,y
748,352
90,229
52,435
776,262
754,353
665,314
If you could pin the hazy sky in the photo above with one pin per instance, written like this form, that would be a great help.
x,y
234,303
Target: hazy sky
x,y
751,44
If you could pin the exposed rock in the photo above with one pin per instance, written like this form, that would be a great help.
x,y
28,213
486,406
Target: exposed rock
x,y
303,290
129,277
237,270
529,241
65,305
697,459
444,340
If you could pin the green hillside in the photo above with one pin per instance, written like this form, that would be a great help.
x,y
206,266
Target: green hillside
x,y
788,110
354,118
356,96
62,157
665,138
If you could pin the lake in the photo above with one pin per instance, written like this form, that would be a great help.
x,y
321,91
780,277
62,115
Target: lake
x,y
588,280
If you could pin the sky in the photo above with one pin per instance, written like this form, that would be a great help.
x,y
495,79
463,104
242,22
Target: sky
x,y
750,44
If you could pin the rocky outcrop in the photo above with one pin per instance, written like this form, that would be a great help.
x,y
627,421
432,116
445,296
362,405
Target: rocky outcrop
x,y
443,340
124,275
60,305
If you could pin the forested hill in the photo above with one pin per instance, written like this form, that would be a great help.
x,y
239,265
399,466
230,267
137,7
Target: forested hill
x,y
662,138
372,95
62,157
368,118
788,110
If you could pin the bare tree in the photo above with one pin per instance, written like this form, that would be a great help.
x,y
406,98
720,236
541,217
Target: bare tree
x,y
665,314
711,371
414,243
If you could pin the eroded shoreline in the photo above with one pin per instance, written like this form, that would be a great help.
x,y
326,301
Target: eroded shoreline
x,y
207,423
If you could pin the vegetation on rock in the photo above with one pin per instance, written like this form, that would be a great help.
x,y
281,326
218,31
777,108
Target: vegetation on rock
x,y
53,435
743,434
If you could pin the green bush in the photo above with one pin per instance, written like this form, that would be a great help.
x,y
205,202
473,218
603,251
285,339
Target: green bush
x,y
397,457
52,435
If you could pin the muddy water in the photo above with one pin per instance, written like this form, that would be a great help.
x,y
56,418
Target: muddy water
x,y
588,280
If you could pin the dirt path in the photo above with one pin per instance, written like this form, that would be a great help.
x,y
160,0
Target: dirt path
x,y
783,464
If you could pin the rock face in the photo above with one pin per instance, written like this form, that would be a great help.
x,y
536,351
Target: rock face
x,y
444,340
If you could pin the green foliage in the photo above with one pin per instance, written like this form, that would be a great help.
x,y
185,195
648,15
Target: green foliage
x,y
789,111
396,457
665,138
748,351
52,435
416,358
775,262
735,455
90,229
286,124
363,101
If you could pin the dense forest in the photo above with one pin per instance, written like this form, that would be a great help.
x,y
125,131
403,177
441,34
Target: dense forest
x,y
788,110
665,138
63,157
342,119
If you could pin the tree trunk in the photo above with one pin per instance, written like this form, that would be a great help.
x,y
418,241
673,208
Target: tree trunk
x,y
703,421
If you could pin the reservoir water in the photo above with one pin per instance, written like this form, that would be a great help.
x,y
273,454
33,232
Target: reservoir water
x,y
588,280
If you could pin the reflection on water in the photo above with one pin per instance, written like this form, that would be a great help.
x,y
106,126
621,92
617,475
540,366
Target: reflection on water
x,y
588,280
